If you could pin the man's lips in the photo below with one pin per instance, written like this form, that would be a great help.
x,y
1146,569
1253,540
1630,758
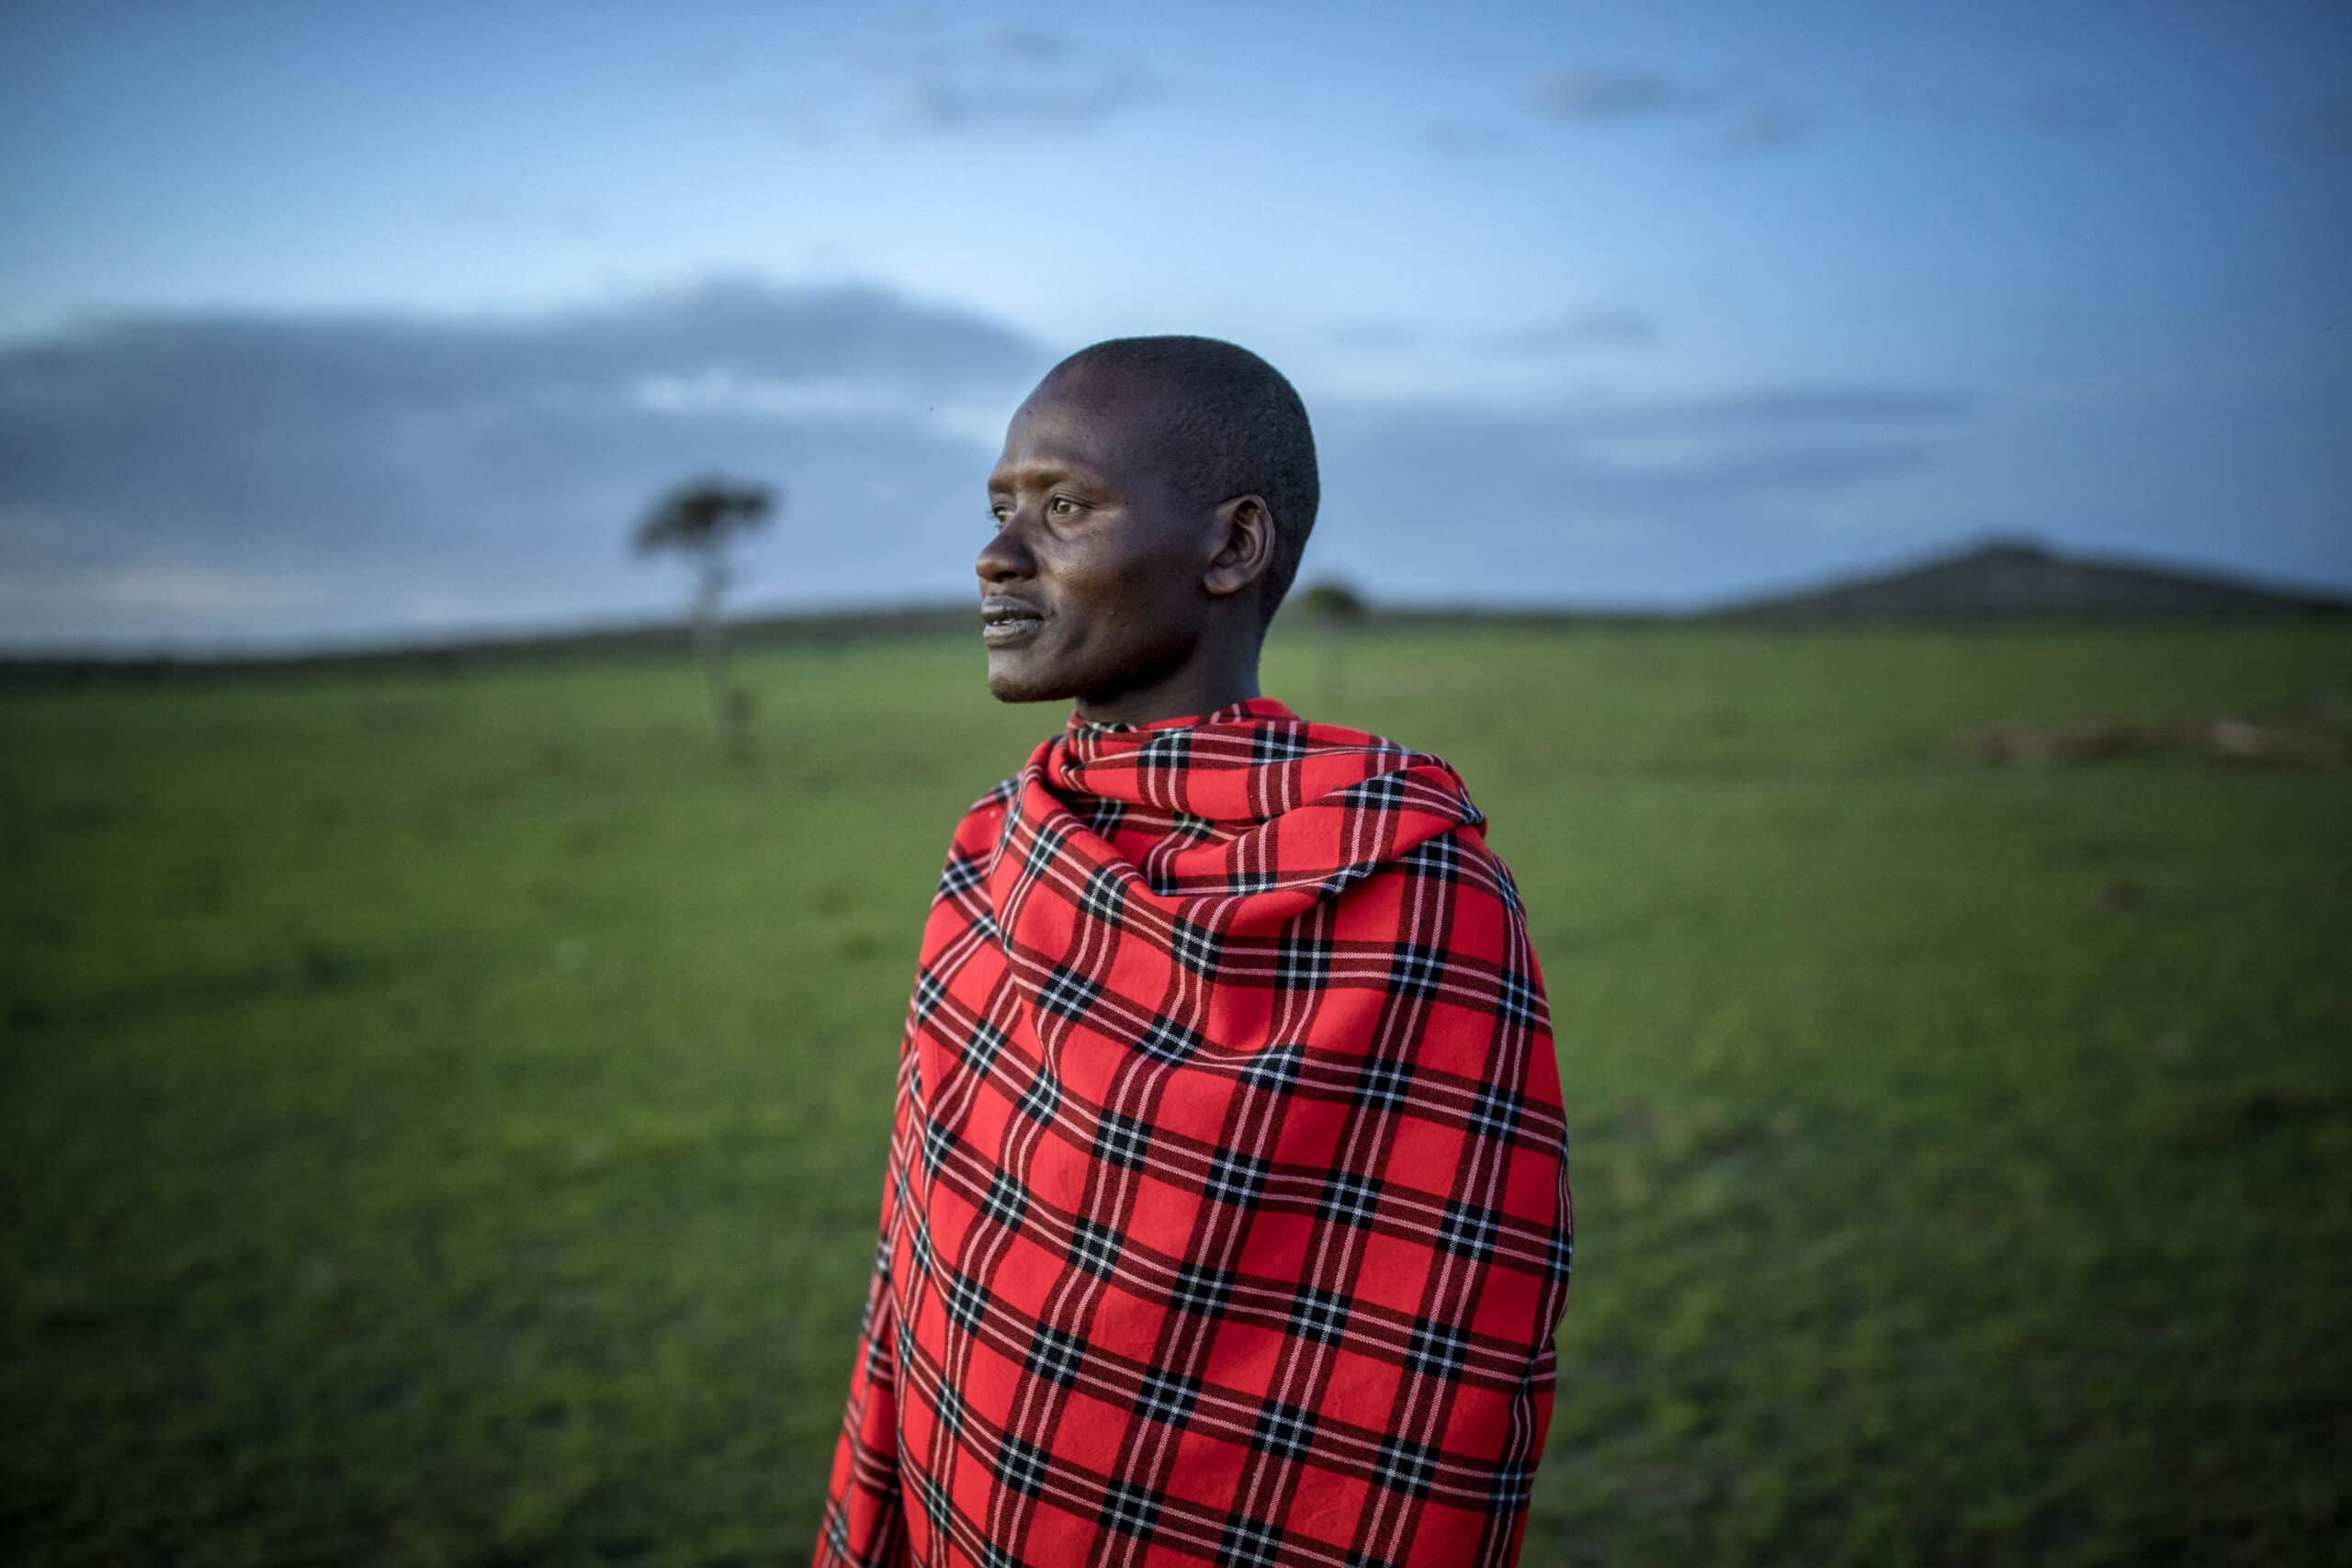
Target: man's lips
x,y
1005,619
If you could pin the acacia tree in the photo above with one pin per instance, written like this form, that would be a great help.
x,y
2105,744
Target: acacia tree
x,y
701,520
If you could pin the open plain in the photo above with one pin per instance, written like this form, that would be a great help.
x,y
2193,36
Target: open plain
x,y
442,1113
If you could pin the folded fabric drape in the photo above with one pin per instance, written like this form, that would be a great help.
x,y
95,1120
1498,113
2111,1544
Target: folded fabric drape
x,y
1226,1215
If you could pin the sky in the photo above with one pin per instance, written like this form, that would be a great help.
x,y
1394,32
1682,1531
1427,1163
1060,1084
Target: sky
x,y
329,324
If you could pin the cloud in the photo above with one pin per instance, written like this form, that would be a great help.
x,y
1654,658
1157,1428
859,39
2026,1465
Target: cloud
x,y
168,591
915,77
1733,118
2066,114
1579,94
1758,126
314,476
205,477
1779,409
1667,500
1598,328
1032,44
940,103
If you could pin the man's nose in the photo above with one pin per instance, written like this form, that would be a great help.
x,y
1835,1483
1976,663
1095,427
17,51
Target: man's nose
x,y
1006,555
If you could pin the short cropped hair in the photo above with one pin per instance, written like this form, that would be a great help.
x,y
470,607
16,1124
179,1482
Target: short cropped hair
x,y
1228,424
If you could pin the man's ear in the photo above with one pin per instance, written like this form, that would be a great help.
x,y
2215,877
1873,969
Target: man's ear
x,y
1244,536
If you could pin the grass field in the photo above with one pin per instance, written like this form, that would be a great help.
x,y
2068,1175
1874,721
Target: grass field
x,y
443,1115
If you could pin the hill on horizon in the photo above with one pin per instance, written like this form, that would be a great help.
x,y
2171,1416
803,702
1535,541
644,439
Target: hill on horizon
x,y
2006,580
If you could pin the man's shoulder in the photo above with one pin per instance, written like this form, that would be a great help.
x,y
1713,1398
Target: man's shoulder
x,y
996,798
1385,756
1460,855
984,818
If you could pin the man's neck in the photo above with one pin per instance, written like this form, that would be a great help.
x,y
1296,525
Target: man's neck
x,y
1184,693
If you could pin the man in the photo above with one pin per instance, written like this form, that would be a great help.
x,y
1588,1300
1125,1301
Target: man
x,y
1227,1216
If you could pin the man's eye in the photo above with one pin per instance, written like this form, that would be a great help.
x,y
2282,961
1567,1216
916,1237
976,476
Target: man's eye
x,y
1060,506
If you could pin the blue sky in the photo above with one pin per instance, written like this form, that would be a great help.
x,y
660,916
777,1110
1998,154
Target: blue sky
x,y
332,322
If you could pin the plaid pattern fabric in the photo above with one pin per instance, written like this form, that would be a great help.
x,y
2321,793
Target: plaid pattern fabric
x,y
1227,1216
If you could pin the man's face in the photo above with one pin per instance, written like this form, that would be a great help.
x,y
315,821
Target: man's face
x,y
1092,583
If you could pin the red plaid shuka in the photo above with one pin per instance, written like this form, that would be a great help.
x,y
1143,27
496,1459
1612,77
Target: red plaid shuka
x,y
1227,1217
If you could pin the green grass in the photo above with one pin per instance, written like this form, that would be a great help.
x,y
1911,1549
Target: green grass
x,y
442,1117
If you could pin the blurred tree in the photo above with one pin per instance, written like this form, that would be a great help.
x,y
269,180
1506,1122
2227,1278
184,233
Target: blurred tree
x,y
701,520
1331,603
1334,609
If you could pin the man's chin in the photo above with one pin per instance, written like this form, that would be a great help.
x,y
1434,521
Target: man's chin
x,y
1010,682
